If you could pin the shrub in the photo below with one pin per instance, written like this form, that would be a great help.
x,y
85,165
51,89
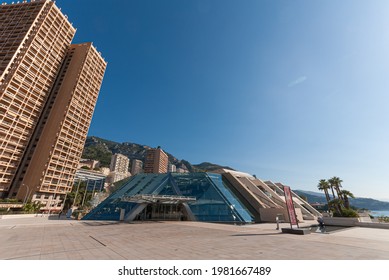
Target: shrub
x,y
9,200
349,213
383,219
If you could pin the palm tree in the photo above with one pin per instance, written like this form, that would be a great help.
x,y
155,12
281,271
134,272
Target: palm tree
x,y
337,184
324,186
332,184
346,194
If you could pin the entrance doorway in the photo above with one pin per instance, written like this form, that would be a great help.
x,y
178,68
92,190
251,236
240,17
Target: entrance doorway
x,y
163,212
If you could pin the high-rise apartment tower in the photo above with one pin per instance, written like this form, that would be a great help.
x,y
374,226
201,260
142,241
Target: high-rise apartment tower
x,y
156,161
48,91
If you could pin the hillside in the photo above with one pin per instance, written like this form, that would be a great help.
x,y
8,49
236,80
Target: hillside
x,y
102,150
358,202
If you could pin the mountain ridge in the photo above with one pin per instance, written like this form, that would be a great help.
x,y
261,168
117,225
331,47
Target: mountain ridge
x,y
97,148
358,202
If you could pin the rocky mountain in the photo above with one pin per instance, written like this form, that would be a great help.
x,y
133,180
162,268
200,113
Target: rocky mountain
x,y
102,150
358,202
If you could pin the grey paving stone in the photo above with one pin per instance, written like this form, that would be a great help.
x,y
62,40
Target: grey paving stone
x,y
40,238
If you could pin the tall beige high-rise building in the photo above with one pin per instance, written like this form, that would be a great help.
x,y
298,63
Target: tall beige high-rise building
x,y
156,161
48,92
53,155
34,38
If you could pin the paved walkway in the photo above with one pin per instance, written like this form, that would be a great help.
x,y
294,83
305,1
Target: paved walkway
x,y
42,238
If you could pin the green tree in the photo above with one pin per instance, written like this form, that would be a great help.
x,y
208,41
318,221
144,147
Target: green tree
x,y
76,196
32,207
345,195
336,206
70,200
349,213
340,204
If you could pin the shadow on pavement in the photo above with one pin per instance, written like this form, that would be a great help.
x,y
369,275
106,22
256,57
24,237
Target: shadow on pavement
x,y
100,223
256,234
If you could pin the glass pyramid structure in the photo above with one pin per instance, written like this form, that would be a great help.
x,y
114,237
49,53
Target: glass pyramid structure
x,y
180,196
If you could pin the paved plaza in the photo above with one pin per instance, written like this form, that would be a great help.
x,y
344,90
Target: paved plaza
x,y
40,238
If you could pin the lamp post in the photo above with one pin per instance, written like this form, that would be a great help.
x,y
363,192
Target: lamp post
x,y
51,199
27,193
93,192
94,186
75,196
86,191
64,201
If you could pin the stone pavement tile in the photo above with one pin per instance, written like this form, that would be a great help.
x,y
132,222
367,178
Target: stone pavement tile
x,y
55,256
183,240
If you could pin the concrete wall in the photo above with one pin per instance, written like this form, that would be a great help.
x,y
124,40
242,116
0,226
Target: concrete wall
x,y
270,214
373,225
18,216
353,222
340,221
252,200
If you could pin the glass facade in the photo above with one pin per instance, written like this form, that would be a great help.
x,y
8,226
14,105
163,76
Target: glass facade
x,y
214,202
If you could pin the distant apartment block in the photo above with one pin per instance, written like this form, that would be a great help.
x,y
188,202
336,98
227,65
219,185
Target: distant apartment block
x,y
117,176
172,168
119,163
105,170
119,168
156,161
182,170
136,166
48,92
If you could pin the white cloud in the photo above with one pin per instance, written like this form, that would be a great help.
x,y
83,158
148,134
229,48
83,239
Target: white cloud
x,y
297,81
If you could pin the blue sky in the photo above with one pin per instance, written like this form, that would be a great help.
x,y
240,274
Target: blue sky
x,y
292,91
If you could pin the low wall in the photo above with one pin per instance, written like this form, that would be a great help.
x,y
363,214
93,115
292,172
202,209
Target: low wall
x,y
340,221
18,216
11,205
353,222
270,214
373,225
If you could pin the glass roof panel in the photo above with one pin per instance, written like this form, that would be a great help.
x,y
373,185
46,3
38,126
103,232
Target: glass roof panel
x,y
214,201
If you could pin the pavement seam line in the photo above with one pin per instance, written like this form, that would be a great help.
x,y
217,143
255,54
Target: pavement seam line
x,y
97,240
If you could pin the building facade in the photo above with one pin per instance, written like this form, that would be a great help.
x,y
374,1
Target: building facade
x,y
34,38
230,197
136,166
172,168
156,161
95,181
119,168
181,170
50,91
119,163
114,177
